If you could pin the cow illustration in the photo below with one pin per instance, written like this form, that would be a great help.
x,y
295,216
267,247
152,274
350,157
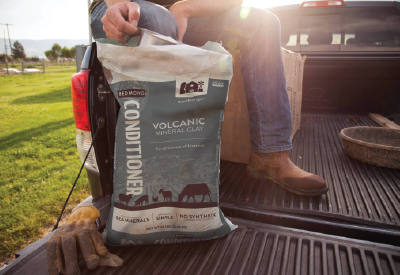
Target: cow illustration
x,y
142,200
192,190
125,198
155,199
166,194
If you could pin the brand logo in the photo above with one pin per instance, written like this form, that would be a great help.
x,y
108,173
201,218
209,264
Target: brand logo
x,y
131,93
191,87
217,84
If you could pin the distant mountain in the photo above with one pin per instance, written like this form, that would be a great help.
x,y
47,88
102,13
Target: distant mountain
x,y
38,47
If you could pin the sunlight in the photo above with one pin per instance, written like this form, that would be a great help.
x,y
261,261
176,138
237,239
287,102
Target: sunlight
x,y
268,3
244,12
232,44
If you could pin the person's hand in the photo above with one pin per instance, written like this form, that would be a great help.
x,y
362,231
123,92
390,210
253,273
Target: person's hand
x,y
121,20
62,255
181,18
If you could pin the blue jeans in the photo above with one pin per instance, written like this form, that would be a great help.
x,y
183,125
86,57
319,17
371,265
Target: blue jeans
x,y
256,33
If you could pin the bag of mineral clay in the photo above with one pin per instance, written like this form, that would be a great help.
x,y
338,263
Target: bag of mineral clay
x,y
167,148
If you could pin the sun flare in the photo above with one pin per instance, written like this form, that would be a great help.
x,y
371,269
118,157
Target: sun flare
x,y
268,3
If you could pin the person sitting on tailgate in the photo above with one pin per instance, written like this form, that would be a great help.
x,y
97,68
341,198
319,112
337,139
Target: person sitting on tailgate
x,y
256,33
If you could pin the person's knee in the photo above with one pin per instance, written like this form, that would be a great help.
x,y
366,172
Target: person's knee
x,y
267,22
95,21
272,20
157,18
267,19
152,17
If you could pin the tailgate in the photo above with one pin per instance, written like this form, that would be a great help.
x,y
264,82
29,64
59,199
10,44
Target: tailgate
x,y
253,248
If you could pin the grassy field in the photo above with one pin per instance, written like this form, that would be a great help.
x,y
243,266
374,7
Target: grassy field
x,y
39,158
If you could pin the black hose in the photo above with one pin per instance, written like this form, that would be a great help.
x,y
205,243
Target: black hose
x,y
100,124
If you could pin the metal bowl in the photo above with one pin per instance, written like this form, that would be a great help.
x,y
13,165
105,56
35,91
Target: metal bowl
x,y
152,38
374,145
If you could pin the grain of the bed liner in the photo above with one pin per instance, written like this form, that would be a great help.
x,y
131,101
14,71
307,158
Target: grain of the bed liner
x,y
358,192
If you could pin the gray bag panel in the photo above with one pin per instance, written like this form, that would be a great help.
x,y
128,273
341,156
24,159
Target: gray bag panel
x,y
166,166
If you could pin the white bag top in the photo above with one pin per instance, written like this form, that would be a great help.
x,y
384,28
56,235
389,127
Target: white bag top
x,y
164,63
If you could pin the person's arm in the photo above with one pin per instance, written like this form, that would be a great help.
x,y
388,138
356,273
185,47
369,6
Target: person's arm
x,y
121,19
185,9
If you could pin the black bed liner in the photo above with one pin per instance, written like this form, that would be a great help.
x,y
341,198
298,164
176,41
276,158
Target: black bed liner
x,y
357,190
358,193
253,248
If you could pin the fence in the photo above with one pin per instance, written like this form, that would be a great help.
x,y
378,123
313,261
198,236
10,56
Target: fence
x,y
43,66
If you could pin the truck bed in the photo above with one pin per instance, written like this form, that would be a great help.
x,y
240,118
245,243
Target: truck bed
x,y
358,192
361,196
346,231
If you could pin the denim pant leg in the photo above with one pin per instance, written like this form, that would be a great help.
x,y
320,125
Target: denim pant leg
x,y
256,33
152,17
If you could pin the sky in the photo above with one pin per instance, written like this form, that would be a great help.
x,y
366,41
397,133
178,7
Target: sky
x,y
63,19
45,19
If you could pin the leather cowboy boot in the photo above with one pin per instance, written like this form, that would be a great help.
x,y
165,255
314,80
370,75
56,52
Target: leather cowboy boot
x,y
278,167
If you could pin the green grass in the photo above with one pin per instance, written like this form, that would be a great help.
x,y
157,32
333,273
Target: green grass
x,y
39,159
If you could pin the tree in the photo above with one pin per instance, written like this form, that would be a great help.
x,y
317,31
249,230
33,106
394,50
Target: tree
x,y
72,52
35,58
3,56
18,51
49,54
65,52
56,51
